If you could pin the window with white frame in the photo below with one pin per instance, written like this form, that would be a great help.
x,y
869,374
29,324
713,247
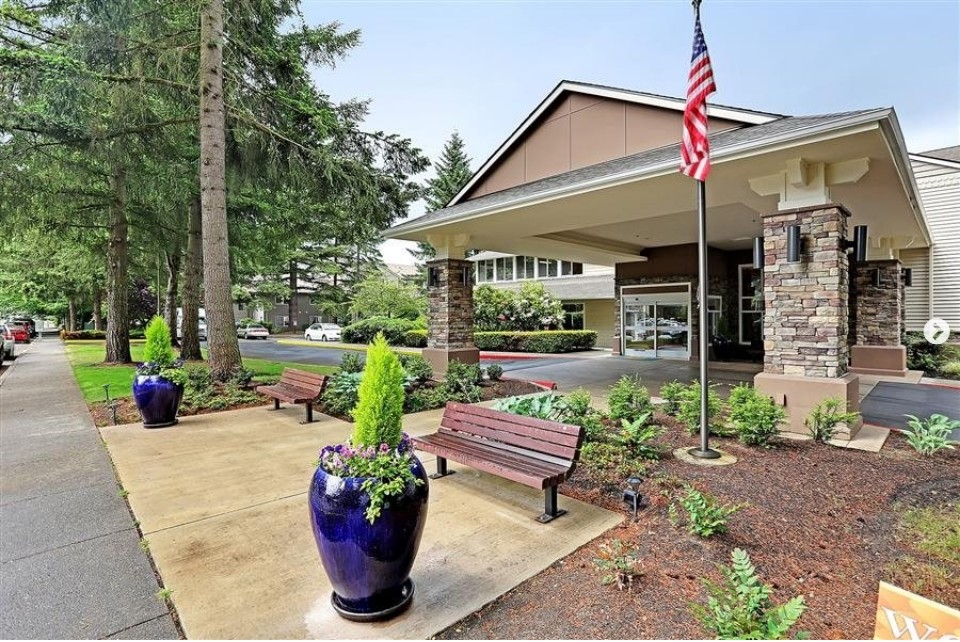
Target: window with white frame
x,y
504,268
526,267
751,305
570,268
714,311
281,322
484,271
573,316
546,268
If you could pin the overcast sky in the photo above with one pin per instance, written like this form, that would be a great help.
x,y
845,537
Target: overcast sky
x,y
480,67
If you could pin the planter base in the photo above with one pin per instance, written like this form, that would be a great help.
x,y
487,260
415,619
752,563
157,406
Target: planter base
x,y
162,425
344,611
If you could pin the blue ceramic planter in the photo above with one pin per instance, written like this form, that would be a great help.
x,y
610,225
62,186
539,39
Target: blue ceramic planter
x,y
368,564
158,400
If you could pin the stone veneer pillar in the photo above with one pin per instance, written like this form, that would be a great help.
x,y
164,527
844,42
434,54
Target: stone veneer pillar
x,y
877,319
806,353
450,315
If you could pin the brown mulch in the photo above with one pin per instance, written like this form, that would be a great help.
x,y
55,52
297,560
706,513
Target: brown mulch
x,y
820,521
127,412
507,388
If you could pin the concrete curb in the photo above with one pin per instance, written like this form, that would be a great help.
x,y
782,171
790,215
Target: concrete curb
x,y
13,364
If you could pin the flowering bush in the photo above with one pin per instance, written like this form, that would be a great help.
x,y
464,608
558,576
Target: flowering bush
x,y
378,451
531,308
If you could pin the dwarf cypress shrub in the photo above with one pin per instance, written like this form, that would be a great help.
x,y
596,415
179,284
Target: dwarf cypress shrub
x,y
379,411
157,349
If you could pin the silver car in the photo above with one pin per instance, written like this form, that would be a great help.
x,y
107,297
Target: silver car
x,y
252,331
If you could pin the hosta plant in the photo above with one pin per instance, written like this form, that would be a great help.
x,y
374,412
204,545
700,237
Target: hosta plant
x,y
740,607
931,435
546,406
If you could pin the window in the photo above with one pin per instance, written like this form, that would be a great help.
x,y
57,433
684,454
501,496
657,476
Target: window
x,y
569,268
573,316
714,311
505,268
546,268
279,300
526,267
314,320
239,306
751,305
281,322
484,271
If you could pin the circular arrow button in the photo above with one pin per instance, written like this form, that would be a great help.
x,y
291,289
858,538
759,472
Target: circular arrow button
x,y
936,331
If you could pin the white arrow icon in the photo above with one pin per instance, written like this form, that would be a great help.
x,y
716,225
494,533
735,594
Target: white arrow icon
x,y
936,331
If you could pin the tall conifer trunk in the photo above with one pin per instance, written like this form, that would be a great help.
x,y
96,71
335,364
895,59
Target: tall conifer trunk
x,y
71,314
118,323
97,308
192,275
172,259
224,351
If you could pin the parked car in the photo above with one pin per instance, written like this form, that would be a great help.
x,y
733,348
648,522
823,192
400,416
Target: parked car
x,y
7,343
19,330
322,332
252,331
30,324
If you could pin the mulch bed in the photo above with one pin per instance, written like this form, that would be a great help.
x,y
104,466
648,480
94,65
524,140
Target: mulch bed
x,y
821,522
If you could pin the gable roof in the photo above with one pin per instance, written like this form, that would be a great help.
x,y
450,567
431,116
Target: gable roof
x,y
949,154
724,143
745,116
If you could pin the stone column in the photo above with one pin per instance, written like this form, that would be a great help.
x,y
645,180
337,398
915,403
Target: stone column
x,y
878,319
806,352
450,314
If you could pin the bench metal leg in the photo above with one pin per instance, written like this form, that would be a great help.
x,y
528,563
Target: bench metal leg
x,y
442,469
309,417
276,404
550,510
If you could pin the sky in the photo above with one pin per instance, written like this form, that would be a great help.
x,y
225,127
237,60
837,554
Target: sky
x,y
479,68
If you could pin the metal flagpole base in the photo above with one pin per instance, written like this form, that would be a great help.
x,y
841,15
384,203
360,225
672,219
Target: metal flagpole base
x,y
708,453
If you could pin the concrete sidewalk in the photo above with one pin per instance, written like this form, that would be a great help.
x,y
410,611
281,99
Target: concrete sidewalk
x,y
70,560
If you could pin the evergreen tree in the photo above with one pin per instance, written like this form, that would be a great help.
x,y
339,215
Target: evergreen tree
x,y
453,172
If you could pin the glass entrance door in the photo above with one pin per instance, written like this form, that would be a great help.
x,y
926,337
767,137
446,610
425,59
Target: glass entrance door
x,y
656,325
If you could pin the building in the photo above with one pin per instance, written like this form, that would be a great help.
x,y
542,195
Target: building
x,y
591,175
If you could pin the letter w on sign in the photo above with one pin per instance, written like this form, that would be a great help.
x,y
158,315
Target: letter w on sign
x,y
902,615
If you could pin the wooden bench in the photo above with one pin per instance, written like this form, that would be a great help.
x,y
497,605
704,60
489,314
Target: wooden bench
x,y
296,386
535,452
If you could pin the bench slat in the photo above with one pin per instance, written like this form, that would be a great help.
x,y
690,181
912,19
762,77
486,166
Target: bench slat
x,y
295,386
481,462
486,427
520,420
544,470
301,377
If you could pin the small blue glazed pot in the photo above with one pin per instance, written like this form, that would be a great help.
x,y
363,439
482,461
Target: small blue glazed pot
x,y
158,400
368,564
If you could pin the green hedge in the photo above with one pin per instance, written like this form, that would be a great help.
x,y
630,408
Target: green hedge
x,y
81,335
544,341
393,329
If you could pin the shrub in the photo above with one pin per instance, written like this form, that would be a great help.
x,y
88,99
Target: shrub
x,y
158,349
637,438
688,407
544,341
576,404
416,367
82,335
705,514
351,362
427,398
415,338
462,381
393,330
740,608
931,435
593,427
923,355
547,406
620,564
628,399
951,369
342,393
755,416
494,372
671,392
610,463
826,416
379,411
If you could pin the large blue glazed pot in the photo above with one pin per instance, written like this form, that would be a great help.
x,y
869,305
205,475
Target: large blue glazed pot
x,y
368,564
157,399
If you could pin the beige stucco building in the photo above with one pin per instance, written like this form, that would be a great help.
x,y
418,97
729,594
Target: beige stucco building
x,y
591,176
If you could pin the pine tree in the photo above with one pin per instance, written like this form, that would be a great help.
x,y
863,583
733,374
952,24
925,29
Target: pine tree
x,y
453,172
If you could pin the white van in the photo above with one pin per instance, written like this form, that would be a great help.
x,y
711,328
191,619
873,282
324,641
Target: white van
x,y
202,326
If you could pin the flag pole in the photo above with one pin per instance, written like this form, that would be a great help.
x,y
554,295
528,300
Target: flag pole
x,y
704,451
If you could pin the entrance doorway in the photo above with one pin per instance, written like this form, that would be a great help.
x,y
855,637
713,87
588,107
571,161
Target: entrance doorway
x,y
656,323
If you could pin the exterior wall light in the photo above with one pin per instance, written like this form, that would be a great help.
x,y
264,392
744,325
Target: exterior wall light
x,y
466,277
908,277
860,243
793,244
433,277
876,278
758,253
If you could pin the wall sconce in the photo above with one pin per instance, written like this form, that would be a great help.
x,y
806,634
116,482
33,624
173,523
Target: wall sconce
x,y
908,277
632,494
466,277
793,243
758,253
860,243
433,277
875,274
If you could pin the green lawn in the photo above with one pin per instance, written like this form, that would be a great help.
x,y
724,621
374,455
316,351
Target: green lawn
x,y
86,358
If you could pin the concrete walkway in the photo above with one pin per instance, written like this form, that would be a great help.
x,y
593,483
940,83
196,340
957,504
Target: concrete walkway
x,y
70,559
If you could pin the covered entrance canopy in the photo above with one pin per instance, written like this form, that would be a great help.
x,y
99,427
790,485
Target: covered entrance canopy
x,y
807,177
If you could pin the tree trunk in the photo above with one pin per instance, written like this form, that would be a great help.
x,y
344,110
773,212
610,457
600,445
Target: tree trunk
x,y
172,258
97,308
71,314
224,351
118,324
293,305
192,274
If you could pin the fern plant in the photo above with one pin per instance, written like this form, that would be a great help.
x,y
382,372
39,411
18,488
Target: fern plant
x,y
705,514
740,607
619,563
637,438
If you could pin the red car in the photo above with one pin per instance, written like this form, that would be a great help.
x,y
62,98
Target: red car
x,y
19,331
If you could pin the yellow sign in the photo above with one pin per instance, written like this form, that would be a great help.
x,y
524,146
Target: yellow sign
x,y
902,615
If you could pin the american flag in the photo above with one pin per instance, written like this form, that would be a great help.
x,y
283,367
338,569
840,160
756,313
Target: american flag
x,y
695,150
